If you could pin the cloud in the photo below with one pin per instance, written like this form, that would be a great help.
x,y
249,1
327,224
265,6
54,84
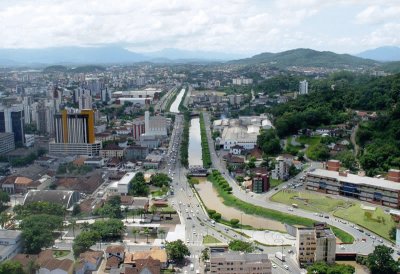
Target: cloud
x,y
225,25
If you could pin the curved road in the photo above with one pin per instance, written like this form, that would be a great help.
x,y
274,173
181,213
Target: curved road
x,y
263,201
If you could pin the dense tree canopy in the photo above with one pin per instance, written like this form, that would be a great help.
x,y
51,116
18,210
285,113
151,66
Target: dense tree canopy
x,y
138,186
84,241
323,268
177,250
160,179
237,245
269,142
112,208
381,261
11,267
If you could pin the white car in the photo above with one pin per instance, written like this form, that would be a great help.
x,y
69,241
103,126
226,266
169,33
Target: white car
x,y
285,266
273,265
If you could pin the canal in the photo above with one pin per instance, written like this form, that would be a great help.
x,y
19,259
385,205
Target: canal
x,y
209,195
175,105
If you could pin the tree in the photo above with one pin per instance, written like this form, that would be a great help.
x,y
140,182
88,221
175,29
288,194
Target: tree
x,y
135,232
32,267
237,245
4,198
324,268
177,250
161,232
146,232
380,261
269,142
4,219
76,210
392,233
111,229
205,254
138,186
73,226
11,267
234,222
160,179
84,241
112,208
37,233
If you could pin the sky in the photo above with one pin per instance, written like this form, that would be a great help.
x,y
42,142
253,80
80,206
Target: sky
x,y
230,26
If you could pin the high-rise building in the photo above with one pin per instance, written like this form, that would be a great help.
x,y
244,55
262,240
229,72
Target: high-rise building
x,y
315,244
85,101
6,142
74,134
12,120
303,87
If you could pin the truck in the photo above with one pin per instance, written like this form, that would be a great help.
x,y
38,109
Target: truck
x,y
295,205
280,256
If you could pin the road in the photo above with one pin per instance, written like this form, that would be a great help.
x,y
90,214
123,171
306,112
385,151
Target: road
x,y
263,201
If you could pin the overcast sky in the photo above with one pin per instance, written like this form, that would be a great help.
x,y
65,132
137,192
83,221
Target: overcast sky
x,y
235,26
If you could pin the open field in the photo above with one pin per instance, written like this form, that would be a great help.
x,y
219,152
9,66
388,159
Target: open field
x,y
379,222
306,140
275,182
309,201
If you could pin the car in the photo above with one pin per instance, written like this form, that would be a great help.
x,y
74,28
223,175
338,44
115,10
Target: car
x,y
380,240
285,266
260,249
276,188
368,234
326,217
273,265
290,209
187,241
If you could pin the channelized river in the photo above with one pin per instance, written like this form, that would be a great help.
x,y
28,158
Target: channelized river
x,y
175,105
195,154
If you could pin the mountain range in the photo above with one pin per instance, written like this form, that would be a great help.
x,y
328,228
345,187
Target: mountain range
x,y
384,54
120,55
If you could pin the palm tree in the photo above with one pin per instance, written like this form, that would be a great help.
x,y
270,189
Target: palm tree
x,y
161,232
73,226
85,226
146,232
135,232
32,267
126,214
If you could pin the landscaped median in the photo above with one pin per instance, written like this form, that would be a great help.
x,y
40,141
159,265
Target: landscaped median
x,y
204,143
225,192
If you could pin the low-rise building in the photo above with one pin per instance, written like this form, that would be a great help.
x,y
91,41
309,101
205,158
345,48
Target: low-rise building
x,y
152,161
66,198
10,243
112,151
88,261
374,190
239,263
115,255
123,183
158,257
95,162
136,153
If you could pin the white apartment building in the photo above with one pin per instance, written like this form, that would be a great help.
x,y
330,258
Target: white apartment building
x,y
303,87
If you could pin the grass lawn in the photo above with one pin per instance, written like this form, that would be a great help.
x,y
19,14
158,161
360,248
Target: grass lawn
x,y
356,214
159,192
210,240
61,253
275,182
308,140
308,201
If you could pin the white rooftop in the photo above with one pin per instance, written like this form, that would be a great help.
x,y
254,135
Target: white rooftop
x,y
358,180
127,178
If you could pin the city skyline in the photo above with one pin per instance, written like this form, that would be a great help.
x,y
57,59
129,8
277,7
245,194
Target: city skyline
x,y
242,27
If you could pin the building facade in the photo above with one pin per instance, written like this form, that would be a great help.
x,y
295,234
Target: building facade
x,y
12,120
239,263
374,190
315,244
6,142
260,183
74,134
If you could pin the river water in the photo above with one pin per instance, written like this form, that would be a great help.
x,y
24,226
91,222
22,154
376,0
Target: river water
x,y
209,195
175,105
195,153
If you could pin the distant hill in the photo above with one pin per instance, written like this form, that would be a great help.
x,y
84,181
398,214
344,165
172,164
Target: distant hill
x,y
307,58
71,55
88,68
189,55
388,53
393,67
55,68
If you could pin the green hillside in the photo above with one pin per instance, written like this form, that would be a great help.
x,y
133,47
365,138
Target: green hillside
x,y
308,58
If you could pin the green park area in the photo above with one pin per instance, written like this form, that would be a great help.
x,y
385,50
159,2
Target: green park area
x,y
275,182
376,220
309,201
208,239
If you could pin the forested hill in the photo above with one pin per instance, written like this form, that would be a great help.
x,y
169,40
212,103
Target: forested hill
x,y
308,58
379,139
